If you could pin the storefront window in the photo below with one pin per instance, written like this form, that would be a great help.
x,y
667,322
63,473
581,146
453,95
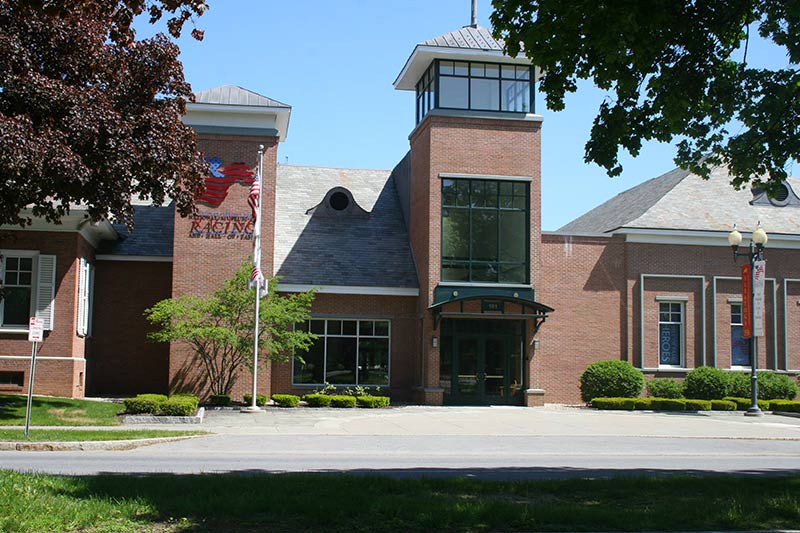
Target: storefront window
x,y
740,347
346,352
670,334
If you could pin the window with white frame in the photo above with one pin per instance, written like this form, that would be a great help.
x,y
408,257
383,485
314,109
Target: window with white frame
x,y
670,334
740,347
28,288
346,352
85,290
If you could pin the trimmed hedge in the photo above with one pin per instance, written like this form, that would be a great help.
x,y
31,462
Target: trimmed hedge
x,y
705,383
343,401
642,404
784,406
739,384
743,404
664,388
698,405
220,400
611,379
668,404
317,400
723,405
179,406
285,400
372,402
261,399
615,404
145,404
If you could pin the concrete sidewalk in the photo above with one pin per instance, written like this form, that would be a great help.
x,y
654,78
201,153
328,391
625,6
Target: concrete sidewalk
x,y
500,421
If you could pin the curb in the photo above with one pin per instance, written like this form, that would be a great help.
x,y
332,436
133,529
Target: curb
x,y
97,445
157,420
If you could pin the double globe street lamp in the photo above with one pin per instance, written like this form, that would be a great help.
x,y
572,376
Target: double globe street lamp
x,y
754,254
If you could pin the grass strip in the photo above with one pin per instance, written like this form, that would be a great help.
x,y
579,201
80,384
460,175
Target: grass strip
x,y
332,503
82,435
47,411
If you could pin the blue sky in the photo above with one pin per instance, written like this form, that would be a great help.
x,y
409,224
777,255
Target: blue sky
x,y
334,62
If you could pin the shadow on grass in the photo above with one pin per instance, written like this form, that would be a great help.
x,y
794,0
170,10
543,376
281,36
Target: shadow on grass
x,y
12,407
421,499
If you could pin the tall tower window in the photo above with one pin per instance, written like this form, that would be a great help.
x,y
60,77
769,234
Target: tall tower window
x,y
485,231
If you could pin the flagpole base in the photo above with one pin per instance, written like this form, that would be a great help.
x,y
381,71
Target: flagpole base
x,y
251,409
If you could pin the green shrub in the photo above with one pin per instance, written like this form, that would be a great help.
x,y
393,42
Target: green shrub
x,y
145,403
317,399
664,388
723,405
698,405
343,401
615,404
611,379
739,384
641,404
705,383
372,402
285,400
179,406
784,406
668,404
261,399
743,404
220,399
772,386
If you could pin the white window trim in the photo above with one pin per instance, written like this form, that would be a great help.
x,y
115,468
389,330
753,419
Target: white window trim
x,y
85,297
682,303
33,254
357,337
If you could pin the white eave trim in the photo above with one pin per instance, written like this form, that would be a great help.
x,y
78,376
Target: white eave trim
x,y
451,175
700,237
76,221
342,289
135,258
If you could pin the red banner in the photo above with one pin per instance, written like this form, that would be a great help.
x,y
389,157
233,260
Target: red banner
x,y
747,307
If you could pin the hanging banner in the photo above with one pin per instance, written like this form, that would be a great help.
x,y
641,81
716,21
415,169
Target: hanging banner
x,y
759,275
747,308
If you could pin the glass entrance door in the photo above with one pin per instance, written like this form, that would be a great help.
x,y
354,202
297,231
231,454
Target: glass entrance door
x,y
481,364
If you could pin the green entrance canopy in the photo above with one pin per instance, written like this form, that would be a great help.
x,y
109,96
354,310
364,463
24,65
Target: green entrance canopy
x,y
493,302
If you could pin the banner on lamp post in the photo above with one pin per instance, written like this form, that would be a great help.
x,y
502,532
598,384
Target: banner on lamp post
x,y
747,308
759,275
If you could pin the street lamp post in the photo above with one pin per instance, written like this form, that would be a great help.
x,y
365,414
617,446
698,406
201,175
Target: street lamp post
x,y
755,253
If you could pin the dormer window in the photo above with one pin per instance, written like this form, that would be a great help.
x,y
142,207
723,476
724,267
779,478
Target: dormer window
x,y
784,197
476,86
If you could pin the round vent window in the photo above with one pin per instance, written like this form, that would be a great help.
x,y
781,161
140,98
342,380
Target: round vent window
x,y
339,201
783,193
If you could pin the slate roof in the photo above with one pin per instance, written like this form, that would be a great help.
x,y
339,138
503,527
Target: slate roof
x,y
471,37
365,251
235,95
152,235
680,200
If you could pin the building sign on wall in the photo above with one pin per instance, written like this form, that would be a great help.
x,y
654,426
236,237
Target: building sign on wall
x,y
221,178
222,226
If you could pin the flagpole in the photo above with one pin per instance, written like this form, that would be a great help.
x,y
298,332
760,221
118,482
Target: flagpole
x,y
253,407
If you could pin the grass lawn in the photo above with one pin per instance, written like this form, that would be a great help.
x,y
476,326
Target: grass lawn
x,y
330,503
58,412
81,435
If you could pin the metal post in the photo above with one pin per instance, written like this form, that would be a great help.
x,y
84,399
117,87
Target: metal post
x,y
474,18
30,392
754,409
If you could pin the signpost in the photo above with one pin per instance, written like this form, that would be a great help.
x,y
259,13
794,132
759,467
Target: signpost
x,y
35,335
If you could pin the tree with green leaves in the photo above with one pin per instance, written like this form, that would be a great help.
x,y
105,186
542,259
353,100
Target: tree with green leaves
x,y
676,69
219,328
89,114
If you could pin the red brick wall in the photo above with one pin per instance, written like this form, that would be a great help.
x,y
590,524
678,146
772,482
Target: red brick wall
x,y
61,377
400,310
792,327
123,360
201,264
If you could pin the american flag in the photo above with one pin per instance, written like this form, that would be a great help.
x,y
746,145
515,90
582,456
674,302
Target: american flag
x,y
257,280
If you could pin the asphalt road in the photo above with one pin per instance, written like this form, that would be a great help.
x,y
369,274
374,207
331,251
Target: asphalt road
x,y
487,443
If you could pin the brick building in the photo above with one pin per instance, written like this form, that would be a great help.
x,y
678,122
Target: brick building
x,y
434,279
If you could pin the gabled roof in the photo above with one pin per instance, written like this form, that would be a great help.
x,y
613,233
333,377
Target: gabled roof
x,y
235,95
351,251
680,200
472,37
152,235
